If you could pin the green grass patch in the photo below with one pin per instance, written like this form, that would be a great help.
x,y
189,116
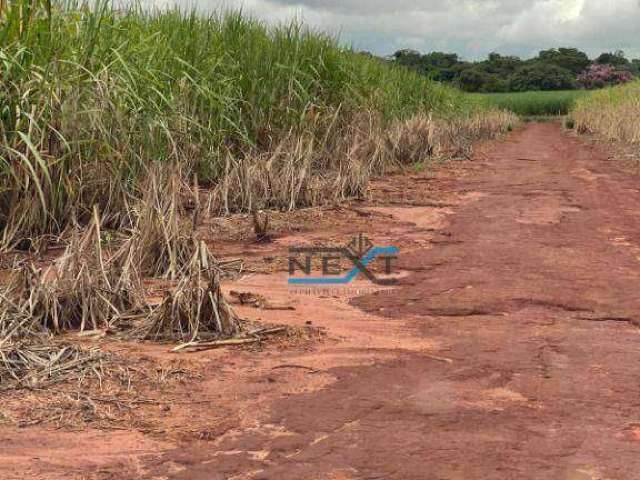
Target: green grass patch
x,y
531,104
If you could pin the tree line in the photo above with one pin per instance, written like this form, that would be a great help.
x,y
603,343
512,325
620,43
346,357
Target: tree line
x,y
553,69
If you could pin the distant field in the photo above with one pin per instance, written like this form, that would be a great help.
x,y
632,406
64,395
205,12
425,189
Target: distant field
x,y
534,103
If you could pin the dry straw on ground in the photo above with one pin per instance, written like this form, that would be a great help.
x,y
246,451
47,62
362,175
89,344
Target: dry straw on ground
x,y
83,289
195,308
300,171
40,364
92,288
161,242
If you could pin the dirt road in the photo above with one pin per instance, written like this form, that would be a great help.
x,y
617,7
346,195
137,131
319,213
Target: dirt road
x,y
509,350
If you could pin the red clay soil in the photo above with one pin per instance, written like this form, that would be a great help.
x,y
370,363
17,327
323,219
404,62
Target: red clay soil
x,y
509,349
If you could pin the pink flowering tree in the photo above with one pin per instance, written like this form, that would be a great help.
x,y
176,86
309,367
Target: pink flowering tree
x,y
600,76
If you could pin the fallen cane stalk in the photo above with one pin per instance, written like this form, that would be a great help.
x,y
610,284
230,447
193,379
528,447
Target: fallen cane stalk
x,y
216,344
256,336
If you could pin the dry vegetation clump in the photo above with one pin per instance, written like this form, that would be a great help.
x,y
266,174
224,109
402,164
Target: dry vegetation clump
x,y
108,391
89,288
30,355
42,363
424,138
409,142
82,290
459,134
610,113
282,179
301,171
161,242
15,318
195,308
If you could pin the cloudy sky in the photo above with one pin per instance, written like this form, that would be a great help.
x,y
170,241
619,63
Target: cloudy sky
x,y
471,28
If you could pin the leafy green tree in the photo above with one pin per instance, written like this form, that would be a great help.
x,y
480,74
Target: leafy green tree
x,y
473,79
541,76
408,58
571,59
495,84
437,65
440,59
501,65
440,66
552,69
617,59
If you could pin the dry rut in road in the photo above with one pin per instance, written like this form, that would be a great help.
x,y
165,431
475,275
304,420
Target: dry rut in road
x,y
508,350
531,293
